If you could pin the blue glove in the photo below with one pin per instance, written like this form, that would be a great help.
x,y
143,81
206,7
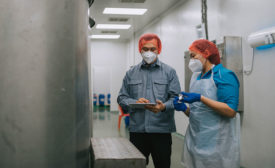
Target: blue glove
x,y
178,105
191,97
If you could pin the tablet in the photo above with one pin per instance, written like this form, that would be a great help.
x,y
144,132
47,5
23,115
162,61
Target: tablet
x,y
140,105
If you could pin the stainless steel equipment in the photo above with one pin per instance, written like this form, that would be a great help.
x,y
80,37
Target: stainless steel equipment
x,y
44,98
230,49
116,153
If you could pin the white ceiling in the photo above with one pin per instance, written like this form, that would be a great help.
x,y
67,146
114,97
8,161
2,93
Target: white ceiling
x,y
155,8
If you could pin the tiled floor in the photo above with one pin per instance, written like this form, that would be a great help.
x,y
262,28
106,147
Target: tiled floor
x,y
105,125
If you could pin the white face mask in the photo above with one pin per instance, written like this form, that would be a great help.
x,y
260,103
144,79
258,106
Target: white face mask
x,y
149,56
195,65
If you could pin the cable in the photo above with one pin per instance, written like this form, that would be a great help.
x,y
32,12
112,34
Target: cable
x,y
252,64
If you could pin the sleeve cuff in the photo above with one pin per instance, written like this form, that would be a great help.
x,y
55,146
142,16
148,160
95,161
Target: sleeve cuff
x,y
131,101
232,106
168,106
125,103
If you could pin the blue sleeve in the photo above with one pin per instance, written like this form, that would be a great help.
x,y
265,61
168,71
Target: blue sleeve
x,y
228,87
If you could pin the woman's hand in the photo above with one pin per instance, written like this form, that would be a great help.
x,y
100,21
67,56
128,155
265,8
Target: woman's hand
x,y
191,97
179,106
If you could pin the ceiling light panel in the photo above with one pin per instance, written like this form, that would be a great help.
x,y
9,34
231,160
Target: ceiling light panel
x,y
104,36
124,11
113,26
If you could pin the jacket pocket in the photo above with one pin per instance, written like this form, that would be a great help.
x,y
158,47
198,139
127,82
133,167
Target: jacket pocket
x,y
161,119
137,118
161,89
135,87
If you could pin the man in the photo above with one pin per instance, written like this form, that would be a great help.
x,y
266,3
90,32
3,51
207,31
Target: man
x,y
151,81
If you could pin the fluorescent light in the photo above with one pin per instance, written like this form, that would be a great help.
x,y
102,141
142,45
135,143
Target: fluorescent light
x,y
125,11
113,26
104,36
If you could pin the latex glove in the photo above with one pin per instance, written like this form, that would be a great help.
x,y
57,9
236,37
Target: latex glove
x,y
179,106
191,97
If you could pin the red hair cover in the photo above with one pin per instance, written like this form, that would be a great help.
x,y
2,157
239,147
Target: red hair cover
x,y
207,49
149,38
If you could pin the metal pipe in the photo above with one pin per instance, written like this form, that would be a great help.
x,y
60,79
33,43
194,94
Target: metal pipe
x,y
204,16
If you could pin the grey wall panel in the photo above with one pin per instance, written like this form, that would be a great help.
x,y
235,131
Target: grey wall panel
x,y
44,100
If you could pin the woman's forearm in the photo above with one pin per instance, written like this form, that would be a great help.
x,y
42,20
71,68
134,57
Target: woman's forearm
x,y
221,108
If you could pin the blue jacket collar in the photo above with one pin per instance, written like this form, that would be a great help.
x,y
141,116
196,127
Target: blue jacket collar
x,y
207,74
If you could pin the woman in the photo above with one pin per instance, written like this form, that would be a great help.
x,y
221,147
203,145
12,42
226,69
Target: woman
x,y
212,137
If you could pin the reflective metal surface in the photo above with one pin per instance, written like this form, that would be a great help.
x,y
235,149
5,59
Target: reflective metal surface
x,y
116,153
230,48
44,100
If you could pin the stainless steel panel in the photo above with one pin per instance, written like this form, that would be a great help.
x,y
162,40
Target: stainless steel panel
x,y
230,49
44,100
116,153
187,72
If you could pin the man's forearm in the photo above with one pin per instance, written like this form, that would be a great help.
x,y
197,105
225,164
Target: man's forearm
x,y
169,104
125,101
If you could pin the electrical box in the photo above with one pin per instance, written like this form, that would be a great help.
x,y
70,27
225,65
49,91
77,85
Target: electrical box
x,y
230,48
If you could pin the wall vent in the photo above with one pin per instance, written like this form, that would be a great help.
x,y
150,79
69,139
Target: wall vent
x,y
132,1
112,19
108,32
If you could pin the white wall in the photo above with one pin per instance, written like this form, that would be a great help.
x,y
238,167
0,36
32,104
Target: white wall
x,y
108,57
176,29
101,79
